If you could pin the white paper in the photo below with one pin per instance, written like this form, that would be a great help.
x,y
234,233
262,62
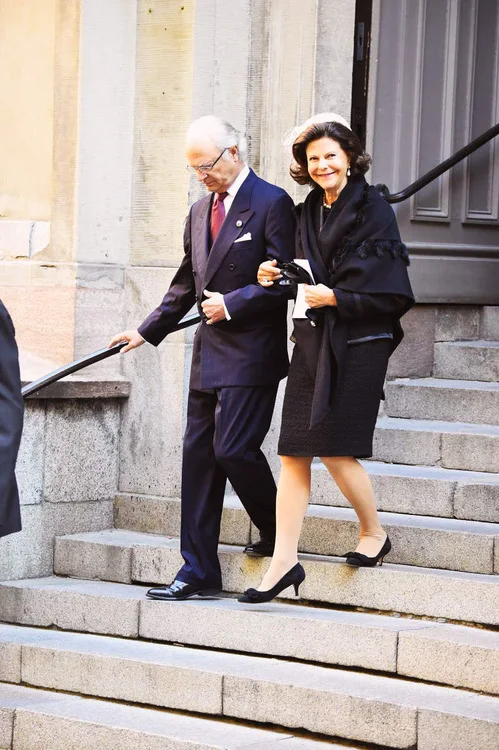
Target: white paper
x,y
300,308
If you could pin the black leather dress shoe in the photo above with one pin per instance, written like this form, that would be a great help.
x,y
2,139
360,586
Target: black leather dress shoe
x,y
179,590
263,548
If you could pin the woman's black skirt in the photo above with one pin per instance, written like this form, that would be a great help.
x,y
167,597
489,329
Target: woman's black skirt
x,y
348,428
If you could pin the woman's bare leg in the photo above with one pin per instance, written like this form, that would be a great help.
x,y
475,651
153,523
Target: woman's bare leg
x,y
293,492
354,482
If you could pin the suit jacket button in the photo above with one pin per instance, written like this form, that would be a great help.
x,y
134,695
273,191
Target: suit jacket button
x,y
239,223
231,267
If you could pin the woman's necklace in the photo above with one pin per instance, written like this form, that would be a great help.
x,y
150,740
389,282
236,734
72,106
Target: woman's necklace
x,y
324,213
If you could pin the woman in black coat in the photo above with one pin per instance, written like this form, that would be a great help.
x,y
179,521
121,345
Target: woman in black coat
x,y
349,235
11,424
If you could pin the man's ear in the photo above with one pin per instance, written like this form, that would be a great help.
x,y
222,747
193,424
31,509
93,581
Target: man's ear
x,y
235,152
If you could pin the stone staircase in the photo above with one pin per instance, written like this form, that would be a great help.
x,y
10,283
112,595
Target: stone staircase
x,y
402,656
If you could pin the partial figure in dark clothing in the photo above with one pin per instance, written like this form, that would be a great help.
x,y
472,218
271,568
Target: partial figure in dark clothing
x,y
348,235
11,425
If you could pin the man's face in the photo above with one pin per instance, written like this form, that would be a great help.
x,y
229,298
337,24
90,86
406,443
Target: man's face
x,y
217,177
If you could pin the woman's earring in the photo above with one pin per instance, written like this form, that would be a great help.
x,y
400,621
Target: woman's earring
x,y
348,172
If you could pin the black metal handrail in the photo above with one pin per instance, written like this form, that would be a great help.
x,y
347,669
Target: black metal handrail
x,y
90,359
425,180
190,320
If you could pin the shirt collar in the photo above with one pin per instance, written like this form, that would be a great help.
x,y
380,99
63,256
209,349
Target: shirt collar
x,y
232,191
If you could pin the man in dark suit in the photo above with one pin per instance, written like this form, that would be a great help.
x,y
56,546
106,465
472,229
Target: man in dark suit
x,y
239,353
11,425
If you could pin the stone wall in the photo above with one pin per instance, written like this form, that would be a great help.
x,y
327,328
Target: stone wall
x,y
67,471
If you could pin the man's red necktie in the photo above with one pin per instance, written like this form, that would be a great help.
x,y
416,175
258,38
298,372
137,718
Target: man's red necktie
x,y
217,215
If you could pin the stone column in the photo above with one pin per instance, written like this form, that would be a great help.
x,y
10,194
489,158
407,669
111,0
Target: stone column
x,y
152,421
307,69
104,159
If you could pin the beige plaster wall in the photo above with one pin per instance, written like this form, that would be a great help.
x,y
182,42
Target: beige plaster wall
x,y
39,40
27,34
41,301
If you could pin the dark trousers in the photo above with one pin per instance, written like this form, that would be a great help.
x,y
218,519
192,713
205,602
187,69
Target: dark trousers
x,y
225,431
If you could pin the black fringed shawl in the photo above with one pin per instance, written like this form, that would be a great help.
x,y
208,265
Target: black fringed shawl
x,y
358,250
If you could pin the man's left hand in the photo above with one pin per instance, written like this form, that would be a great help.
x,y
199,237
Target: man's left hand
x,y
213,307
319,296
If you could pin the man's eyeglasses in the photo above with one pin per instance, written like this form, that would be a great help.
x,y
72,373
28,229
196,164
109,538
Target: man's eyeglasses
x,y
205,167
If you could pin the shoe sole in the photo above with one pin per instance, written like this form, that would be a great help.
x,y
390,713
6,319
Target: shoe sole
x,y
204,593
363,565
258,554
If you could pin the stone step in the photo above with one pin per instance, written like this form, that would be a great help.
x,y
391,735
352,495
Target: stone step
x,y
450,654
489,322
42,720
419,490
126,556
398,488
436,398
467,360
417,540
422,541
451,445
355,706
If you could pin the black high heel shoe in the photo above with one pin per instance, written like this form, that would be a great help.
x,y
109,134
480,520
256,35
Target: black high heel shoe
x,y
293,577
358,560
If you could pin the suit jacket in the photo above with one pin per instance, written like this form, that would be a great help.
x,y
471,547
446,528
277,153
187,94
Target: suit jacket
x,y
11,424
251,348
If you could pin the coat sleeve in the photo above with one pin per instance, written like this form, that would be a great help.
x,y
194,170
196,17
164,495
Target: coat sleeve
x,y
279,245
11,410
179,299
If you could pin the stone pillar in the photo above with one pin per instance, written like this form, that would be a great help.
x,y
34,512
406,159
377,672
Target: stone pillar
x,y
152,421
307,69
288,83
334,57
104,163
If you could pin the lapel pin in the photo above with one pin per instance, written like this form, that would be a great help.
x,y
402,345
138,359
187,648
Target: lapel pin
x,y
239,223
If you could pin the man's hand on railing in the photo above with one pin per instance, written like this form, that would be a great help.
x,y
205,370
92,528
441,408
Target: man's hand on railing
x,y
133,337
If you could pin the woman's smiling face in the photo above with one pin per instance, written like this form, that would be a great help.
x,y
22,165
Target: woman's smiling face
x,y
327,164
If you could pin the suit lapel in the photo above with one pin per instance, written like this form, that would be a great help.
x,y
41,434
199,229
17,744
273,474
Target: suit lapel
x,y
201,235
239,214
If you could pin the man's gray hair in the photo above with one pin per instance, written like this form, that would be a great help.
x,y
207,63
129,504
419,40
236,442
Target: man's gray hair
x,y
220,132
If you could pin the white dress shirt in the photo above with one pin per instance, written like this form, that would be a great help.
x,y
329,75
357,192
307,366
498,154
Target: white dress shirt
x,y
232,191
